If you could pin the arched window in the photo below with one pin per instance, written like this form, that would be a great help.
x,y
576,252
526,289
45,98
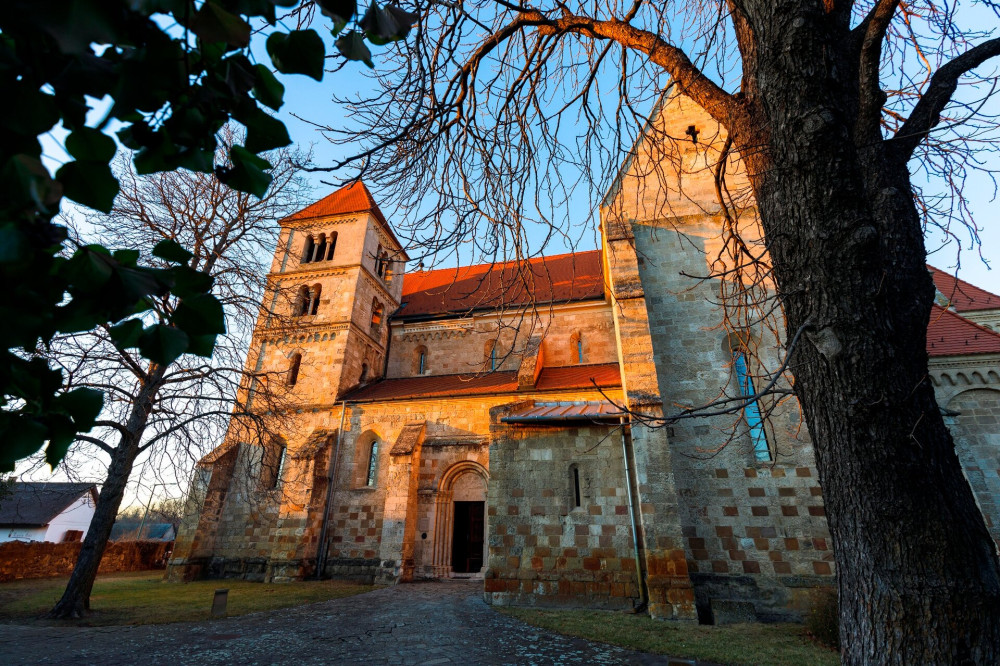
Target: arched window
x,y
372,464
307,251
576,346
751,411
364,373
387,270
383,264
376,315
490,354
333,245
576,497
273,464
293,369
320,248
378,261
301,304
314,298
420,360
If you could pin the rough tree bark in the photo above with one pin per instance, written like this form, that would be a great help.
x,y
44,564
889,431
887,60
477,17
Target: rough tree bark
x,y
918,574
75,600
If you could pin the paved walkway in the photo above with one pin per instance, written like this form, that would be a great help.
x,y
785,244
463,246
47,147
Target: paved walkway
x,y
424,623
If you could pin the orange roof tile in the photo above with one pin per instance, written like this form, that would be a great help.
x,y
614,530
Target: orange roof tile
x,y
949,334
353,198
556,279
441,386
438,386
604,375
964,297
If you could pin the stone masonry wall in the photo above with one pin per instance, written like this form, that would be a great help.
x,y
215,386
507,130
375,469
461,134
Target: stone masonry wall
x,y
543,550
976,429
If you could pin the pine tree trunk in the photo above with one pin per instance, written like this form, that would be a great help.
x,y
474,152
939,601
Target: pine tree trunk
x,y
75,600
918,574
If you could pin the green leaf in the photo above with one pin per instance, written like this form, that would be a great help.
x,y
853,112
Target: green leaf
x,y
352,46
88,144
388,24
88,269
246,173
340,11
171,250
202,345
187,281
83,405
268,90
21,437
126,334
126,257
264,132
297,52
163,344
212,23
200,315
60,435
89,183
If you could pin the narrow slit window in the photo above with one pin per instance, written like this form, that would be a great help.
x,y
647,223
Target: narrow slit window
x,y
279,467
422,363
576,487
293,370
493,358
372,464
751,412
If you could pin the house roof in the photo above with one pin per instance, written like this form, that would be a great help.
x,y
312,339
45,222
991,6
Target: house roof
x,y
560,278
353,198
950,334
38,503
963,296
605,375
557,412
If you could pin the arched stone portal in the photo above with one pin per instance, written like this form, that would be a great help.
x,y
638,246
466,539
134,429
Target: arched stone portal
x,y
460,510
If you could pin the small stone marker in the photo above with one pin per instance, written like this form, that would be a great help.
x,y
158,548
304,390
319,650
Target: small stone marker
x,y
219,603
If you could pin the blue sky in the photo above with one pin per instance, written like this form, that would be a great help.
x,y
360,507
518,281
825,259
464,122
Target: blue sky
x,y
313,100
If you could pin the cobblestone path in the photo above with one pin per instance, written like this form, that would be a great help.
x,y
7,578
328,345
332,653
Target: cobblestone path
x,y
424,623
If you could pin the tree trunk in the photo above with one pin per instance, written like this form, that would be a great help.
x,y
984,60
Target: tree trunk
x,y
75,600
918,574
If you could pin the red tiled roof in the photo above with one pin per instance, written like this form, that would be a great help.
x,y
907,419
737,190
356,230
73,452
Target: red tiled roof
x,y
565,277
437,386
949,334
441,386
353,198
565,411
964,297
605,375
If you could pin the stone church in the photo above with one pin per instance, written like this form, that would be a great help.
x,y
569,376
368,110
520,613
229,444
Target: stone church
x,y
499,421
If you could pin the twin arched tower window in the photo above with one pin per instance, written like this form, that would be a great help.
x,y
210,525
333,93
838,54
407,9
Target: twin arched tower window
x,y
307,300
383,265
319,248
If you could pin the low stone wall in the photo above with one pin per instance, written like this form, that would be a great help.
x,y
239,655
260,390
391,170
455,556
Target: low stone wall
x,y
42,559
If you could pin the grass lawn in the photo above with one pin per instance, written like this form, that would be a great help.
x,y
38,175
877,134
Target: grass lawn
x,y
143,598
764,644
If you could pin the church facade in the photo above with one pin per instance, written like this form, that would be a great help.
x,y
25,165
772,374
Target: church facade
x,y
502,421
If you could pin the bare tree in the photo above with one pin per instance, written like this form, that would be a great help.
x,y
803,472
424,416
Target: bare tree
x,y
173,414
497,114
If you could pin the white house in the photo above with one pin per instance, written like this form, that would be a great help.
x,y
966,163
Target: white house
x,y
56,512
